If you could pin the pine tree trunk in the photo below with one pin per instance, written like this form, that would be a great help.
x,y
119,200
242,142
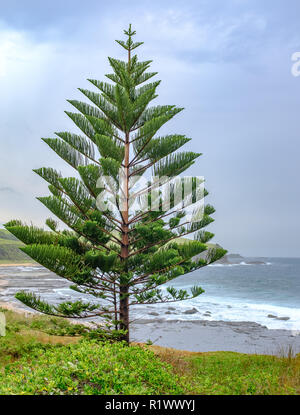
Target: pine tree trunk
x,y
124,308
124,288
124,312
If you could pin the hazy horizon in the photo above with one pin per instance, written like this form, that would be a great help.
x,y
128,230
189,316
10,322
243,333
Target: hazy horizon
x,y
229,64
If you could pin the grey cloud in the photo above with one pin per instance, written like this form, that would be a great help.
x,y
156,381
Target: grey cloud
x,y
228,63
7,189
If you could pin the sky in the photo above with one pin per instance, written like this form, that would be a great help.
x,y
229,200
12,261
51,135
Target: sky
x,y
228,63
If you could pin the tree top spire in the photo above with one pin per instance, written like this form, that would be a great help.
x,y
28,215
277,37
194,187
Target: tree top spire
x,y
129,32
129,44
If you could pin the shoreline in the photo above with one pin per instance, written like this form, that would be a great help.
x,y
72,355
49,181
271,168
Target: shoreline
x,y
25,264
12,307
203,336
215,336
198,333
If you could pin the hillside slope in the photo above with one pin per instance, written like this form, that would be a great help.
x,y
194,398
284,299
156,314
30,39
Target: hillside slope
x,y
9,249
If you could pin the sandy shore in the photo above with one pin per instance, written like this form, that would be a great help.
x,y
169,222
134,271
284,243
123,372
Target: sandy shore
x,y
26,264
12,307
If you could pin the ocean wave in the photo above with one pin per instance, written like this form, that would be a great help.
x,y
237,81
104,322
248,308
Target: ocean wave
x,y
239,264
220,309
231,265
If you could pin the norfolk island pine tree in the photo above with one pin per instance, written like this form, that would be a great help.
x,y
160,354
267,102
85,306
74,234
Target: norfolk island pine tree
x,y
119,256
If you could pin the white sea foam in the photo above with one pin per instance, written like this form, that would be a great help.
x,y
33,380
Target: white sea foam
x,y
30,269
246,292
238,265
231,265
233,310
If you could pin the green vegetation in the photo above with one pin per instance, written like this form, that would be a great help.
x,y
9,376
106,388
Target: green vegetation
x,y
10,249
121,242
30,364
228,373
43,355
90,367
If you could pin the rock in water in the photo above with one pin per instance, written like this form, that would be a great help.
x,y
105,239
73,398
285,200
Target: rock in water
x,y
279,318
191,311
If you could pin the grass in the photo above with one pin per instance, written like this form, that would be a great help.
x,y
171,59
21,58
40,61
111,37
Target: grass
x,y
76,364
227,373
56,357
9,249
24,332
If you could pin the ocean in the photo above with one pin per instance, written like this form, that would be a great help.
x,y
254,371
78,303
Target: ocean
x,y
268,294
242,292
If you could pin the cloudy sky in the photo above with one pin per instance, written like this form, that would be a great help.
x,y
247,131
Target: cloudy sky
x,y
227,62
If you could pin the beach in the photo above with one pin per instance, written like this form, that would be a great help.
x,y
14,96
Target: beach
x,y
203,326
206,336
25,264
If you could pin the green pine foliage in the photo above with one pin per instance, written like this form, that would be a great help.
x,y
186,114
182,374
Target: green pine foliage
x,y
119,256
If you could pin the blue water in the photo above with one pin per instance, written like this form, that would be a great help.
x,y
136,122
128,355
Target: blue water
x,y
232,292
248,292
